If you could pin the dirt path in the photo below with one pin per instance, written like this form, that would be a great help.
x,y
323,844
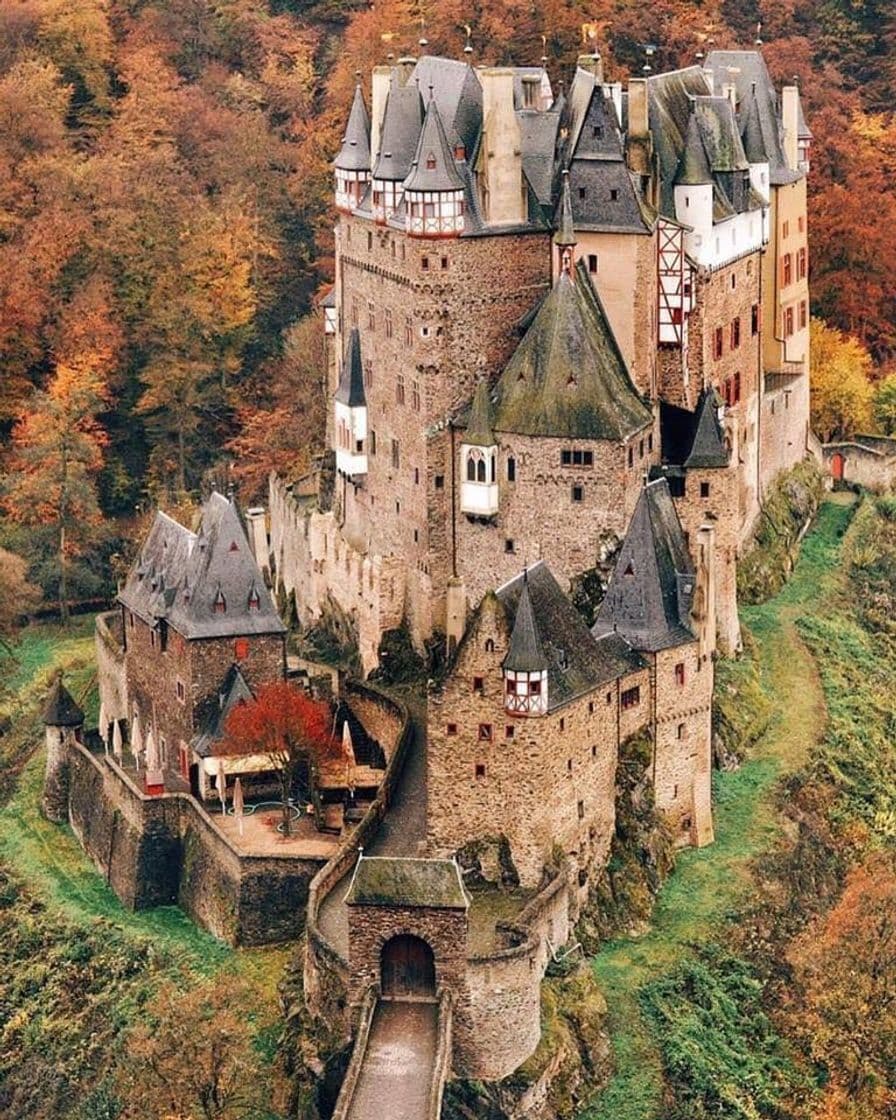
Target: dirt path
x,y
695,902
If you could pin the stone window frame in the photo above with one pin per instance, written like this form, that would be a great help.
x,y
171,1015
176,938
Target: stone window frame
x,y
451,729
479,686
486,733
387,316
577,493
399,388
704,489
480,770
630,698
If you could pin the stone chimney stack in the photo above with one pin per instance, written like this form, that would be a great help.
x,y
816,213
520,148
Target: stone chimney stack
x,y
705,597
455,613
501,159
790,113
638,118
639,142
382,75
256,524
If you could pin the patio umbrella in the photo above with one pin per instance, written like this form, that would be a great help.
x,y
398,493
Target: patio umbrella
x,y
222,785
104,727
238,803
152,761
348,754
116,739
136,739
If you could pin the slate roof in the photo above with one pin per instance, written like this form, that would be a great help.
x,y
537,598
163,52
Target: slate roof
x,y
234,690
354,155
708,447
479,422
539,133
61,709
525,653
751,131
350,390
566,234
693,167
648,601
433,148
746,71
567,378
179,575
457,93
576,661
394,881
402,119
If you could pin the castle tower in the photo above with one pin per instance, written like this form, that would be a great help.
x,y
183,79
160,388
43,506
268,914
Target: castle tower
x,y
434,190
352,165
525,666
565,237
350,413
478,459
63,720
398,143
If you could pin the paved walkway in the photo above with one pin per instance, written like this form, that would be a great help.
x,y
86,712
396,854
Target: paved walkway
x,y
396,1077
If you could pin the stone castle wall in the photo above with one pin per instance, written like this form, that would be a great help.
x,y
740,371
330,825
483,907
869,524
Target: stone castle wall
x,y
109,650
157,851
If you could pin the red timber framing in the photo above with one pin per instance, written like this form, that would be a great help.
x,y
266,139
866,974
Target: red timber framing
x,y
674,287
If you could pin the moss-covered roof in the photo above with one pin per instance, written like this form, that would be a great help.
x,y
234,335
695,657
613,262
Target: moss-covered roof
x,y
479,424
393,881
568,378
60,709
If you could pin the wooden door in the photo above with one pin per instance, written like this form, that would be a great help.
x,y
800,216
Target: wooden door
x,y
837,465
407,967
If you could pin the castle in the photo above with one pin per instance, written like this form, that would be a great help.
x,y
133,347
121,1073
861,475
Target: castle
x,y
567,347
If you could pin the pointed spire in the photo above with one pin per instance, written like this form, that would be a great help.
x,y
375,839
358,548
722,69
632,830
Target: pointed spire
x,y
60,709
434,168
354,155
754,144
565,235
525,654
693,167
350,390
479,426
708,448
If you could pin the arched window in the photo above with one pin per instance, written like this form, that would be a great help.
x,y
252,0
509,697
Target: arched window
x,y
489,645
471,468
480,469
431,162
494,458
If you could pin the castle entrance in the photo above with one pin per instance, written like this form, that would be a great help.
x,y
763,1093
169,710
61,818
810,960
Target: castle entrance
x,y
407,968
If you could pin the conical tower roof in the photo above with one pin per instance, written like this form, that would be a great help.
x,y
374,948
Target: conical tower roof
x,y
693,167
350,390
434,168
708,448
479,425
525,653
567,378
354,155
400,132
566,234
754,144
60,709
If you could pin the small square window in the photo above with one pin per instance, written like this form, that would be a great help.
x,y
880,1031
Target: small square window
x,y
241,649
509,731
424,263
580,808
480,769
592,263
451,729
578,493
485,732
444,262
478,684
581,192
704,489
679,673
509,545
614,195
565,458
440,482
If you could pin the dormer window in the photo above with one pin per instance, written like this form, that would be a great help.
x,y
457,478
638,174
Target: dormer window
x,y
431,162
220,603
254,600
460,152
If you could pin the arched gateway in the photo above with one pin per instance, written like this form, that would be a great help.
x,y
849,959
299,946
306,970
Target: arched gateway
x,y
407,967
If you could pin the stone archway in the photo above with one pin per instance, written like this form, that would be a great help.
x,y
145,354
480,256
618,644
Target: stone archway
x,y
407,967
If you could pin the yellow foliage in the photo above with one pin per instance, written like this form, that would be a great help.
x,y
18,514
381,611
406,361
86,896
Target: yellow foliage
x,y
841,389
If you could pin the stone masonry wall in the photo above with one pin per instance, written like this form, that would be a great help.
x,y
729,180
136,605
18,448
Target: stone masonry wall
x,y
111,680
544,782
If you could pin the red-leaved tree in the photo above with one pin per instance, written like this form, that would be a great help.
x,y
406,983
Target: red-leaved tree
x,y
291,729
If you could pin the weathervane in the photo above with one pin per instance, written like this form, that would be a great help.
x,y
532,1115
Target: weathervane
x,y
649,52
468,47
759,34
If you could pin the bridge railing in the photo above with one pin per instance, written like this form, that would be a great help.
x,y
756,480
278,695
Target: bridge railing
x,y
442,1062
359,1052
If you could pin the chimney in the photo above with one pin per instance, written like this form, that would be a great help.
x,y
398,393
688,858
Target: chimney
x,y
638,122
593,64
638,141
790,113
501,156
455,613
379,91
704,612
256,524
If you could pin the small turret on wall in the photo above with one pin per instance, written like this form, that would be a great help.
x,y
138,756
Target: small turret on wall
x,y
64,721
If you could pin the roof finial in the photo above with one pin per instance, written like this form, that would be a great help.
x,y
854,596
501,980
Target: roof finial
x,y
649,52
468,46
759,34
544,51
423,41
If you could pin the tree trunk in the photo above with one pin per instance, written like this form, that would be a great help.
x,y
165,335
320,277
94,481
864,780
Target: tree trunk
x,y
63,580
286,774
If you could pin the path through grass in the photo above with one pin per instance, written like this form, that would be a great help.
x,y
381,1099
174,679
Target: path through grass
x,y
707,884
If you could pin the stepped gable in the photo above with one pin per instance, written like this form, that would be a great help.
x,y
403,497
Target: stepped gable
x,y
350,390
354,155
204,584
748,73
61,710
576,662
434,167
567,378
402,120
597,166
212,720
648,602
405,881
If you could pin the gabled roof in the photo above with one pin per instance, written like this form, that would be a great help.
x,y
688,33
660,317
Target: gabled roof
x,y
60,709
433,150
538,140
751,134
457,93
525,653
670,98
576,662
354,155
402,119
567,377
179,576
693,167
720,134
401,881
350,390
648,602
479,423
234,690
566,234
747,71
